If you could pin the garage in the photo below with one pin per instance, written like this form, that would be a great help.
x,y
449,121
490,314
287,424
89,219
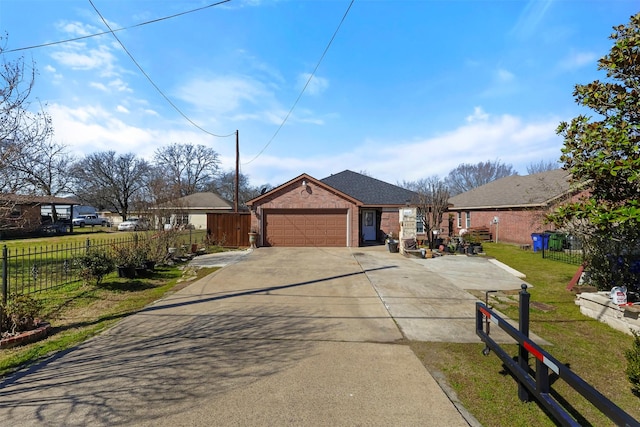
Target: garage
x,y
306,227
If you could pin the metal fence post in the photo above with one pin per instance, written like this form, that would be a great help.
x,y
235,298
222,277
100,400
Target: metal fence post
x,y
5,273
523,354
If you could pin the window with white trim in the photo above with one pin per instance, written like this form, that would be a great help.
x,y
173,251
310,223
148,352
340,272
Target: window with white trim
x,y
459,219
468,219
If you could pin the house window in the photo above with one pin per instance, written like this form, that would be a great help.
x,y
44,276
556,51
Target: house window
x,y
419,221
459,219
468,220
182,219
16,212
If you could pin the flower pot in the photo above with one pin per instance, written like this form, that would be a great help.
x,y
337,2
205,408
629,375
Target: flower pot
x,y
253,237
126,272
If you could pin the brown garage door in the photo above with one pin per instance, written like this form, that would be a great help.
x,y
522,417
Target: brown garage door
x,y
306,228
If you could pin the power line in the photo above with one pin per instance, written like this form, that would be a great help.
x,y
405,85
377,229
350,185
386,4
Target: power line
x,y
153,21
335,33
175,107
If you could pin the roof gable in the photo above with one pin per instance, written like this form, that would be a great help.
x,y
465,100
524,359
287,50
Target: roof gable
x,y
305,179
516,191
369,191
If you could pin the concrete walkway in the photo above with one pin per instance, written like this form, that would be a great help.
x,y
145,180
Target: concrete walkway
x,y
281,337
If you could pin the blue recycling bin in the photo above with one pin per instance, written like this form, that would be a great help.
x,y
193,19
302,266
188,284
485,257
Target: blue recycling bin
x,y
540,241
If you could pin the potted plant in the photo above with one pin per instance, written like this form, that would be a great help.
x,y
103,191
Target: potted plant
x,y
126,260
253,237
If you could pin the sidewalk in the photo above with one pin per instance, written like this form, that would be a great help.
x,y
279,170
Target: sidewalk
x,y
282,337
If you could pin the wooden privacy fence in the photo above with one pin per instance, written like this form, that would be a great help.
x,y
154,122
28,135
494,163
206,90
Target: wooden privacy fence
x,y
229,229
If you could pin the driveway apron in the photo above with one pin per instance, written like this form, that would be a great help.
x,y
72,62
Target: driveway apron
x,y
427,297
282,337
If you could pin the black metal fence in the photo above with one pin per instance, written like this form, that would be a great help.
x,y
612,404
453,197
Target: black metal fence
x,y
560,247
536,384
35,269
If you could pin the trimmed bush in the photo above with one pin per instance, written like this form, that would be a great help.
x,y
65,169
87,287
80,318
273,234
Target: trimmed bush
x,y
94,265
21,313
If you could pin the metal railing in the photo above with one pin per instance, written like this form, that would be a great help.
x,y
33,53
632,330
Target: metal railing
x,y
36,269
562,247
537,384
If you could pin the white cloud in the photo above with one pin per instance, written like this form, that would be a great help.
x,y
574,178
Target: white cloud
x,y
100,59
89,129
478,115
76,28
316,85
504,76
512,140
577,60
99,86
223,94
122,109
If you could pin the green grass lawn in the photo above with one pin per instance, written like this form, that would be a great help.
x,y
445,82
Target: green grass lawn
x,y
590,348
78,311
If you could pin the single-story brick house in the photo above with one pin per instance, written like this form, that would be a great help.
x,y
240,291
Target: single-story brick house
x,y
347,209
513,207
22,214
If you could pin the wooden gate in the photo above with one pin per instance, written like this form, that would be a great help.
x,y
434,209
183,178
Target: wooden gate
x,y
229,229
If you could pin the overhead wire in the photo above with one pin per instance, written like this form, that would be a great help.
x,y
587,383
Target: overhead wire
x,y
335,33
175,107
153,21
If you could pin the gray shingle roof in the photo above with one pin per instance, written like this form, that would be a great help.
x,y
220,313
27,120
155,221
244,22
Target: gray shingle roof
x,y
205,200
369,191
516,191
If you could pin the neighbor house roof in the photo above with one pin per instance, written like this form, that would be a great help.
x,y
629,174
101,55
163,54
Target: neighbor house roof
x,y
200,201
516,191
369,191
36,200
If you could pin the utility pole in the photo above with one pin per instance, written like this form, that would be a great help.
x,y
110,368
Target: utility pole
x,y
237,180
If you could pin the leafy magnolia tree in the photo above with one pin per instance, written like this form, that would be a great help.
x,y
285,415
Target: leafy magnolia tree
x,y
187,168
603,153
467,176
432,201
111,181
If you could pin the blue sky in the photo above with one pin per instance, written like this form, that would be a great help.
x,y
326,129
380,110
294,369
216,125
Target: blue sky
x,y
406,90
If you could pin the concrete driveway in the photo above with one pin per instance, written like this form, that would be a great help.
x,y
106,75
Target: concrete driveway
x,y
281,337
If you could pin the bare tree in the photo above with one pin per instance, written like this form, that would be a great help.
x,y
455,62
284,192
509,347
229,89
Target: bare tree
x,y
44,166
224,185
107,180
542,166
187,168
466,176
18,126
432,201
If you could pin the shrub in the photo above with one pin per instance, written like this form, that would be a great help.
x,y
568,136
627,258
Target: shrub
x,y
21,313
94,265
633,364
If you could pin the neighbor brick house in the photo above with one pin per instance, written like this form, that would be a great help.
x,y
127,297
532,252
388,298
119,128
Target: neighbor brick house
x,y
345,209
21,214
512,208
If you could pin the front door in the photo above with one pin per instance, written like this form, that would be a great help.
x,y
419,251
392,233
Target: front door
x,y
369,225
